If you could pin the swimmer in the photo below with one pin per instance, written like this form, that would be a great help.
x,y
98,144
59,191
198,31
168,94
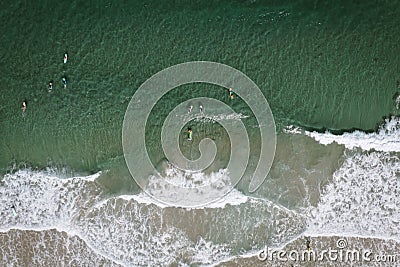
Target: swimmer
x,y
23,106
190,134
64,81
201,109
308,243
50,86
65,57
231,93
190,109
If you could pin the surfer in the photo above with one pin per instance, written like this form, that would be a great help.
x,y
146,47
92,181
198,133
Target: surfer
x,y
308,244
189,134
50,86
231,93
201,109
64,81
190,109
24,105
65,57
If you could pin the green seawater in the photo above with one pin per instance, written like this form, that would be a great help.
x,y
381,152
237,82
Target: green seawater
x,y
320,64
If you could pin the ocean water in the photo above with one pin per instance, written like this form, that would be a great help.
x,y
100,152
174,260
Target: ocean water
x,y
329,70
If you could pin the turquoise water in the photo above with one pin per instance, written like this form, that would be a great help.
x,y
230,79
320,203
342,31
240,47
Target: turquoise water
x,y
319,64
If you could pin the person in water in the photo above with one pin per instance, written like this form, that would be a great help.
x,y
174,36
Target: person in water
x,y
190,134
24,105
231,94
190,109
201,109
50,86
65,57
64,81
308,244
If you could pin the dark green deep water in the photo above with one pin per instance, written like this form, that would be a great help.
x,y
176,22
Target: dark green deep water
x,y
320,64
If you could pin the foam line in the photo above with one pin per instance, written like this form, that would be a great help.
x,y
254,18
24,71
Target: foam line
x,y
386,139
233,198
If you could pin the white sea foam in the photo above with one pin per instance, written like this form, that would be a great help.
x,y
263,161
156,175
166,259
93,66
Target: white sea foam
x,y
291,129
387,138
207,252
233,198
362,200
204,117
216,118
190,179
182,188
48,248
149,235
187,179
131,233
41,199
